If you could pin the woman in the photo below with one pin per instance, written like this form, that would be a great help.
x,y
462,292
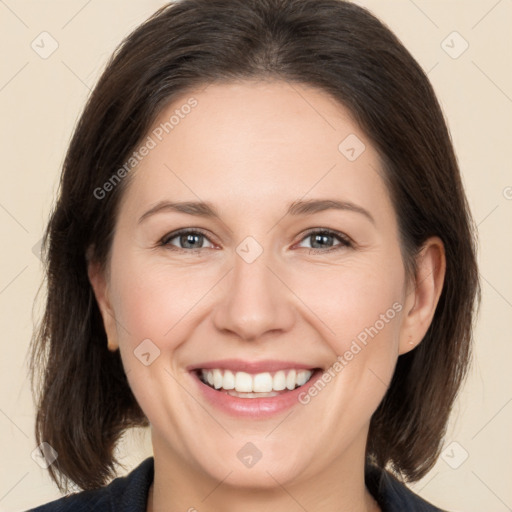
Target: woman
x,y
193,287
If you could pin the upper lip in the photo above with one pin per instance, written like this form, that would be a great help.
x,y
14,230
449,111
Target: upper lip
x,y
239,365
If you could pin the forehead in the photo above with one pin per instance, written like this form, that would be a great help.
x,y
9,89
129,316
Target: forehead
x,y
259,143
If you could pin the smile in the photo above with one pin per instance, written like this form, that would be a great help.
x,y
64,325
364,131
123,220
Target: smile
x,y
247,385
253,389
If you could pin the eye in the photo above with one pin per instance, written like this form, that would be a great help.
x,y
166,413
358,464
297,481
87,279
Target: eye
x,y
190,240
321,238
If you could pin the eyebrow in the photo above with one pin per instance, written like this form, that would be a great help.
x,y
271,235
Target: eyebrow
x,y
299,207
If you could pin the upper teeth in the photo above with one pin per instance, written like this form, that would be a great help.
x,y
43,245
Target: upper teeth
x,y
260,382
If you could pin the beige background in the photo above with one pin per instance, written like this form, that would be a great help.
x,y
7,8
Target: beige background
x,y
40,100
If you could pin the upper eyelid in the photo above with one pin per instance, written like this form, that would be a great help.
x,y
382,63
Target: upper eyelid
x,y
174,234
345,239
332,232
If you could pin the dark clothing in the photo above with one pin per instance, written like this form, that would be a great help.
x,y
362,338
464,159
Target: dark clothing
x,y
130,494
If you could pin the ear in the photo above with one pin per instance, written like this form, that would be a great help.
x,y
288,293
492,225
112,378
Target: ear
x,y
423,294
99,283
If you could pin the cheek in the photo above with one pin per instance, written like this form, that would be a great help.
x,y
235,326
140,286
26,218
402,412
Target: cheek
x,y
148,299
358,310
354,302
142,308
153,305
151,299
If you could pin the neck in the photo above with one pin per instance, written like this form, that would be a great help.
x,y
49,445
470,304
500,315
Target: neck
x,y
179,485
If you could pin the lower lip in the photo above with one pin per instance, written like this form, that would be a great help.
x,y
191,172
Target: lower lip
x,y
254,407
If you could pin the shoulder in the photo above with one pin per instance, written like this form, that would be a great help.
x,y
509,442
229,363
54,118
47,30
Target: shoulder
x,y
392,495
128,494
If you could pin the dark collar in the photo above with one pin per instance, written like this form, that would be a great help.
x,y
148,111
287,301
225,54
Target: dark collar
x,y
130,493
392,495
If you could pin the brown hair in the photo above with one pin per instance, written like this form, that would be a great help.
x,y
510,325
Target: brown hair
x,y
84,400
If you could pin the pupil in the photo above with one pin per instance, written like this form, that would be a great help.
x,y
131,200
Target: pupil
x,y
321,237
186,239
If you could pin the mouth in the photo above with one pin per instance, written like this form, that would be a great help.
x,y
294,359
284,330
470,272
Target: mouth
x,y
255,385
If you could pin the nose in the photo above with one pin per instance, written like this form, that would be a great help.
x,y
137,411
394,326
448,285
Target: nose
x,y
255,300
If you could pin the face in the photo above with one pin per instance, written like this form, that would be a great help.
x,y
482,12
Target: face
x,y
269,273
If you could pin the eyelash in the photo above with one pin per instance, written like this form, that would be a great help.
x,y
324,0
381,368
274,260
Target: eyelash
x,y
344,239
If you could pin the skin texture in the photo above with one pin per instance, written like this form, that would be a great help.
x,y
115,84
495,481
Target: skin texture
x,y
252,148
